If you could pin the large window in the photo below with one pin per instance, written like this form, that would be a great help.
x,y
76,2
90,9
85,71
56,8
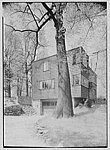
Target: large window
x,y
47,84
76,80
46,66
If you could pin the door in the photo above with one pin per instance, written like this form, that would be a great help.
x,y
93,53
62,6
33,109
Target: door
x,y
48,107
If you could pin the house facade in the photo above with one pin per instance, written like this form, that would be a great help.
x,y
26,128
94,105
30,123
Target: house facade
x,y
45,80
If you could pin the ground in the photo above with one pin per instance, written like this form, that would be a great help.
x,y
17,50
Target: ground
x,y
19,131
86,129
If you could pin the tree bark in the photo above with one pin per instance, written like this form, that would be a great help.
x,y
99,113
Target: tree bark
x,y
19,87
27,93
9,84
9,90
64,104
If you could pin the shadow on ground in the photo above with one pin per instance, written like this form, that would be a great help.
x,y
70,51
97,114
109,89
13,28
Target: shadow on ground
x,y
89,111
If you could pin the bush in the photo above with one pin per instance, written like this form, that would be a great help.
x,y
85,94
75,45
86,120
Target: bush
x,y
14,110
88,103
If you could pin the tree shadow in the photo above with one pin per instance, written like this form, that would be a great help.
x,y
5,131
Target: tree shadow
x,y
90,110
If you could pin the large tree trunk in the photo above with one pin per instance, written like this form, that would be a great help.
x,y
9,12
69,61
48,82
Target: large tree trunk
x,y
64,104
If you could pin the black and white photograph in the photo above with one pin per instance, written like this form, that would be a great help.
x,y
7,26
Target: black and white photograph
x,y
55,74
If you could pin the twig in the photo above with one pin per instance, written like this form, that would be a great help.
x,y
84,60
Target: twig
x,y
32,15
34,51
78,9
43,16
20,11
26,30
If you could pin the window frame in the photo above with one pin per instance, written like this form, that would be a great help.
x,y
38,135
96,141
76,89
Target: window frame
x,y
73,83
45,85
45,66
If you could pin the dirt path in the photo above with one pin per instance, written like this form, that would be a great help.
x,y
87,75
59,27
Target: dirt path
x,y
19,131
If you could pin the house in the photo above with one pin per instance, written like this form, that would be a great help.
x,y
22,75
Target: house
x,y
45,80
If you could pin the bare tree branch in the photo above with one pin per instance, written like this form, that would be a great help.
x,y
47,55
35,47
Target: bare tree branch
x,y
87,33
43,16
77,6
50,12
34,51
29,22
33,15
20,30
44,23
20,11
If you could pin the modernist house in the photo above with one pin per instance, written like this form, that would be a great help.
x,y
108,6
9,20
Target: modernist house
x,y
45,80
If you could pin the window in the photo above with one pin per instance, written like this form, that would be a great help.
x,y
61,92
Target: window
x,y
76,80
46,66
52,83
41,85
47,84
49,103
84,81
78,58
95,78
74,59
94,92
85,60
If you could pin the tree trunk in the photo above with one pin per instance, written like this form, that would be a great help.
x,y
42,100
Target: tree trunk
x,y
27,93
9,84
64,104
19,87
9,90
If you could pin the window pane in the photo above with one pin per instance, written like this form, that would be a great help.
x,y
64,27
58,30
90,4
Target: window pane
x,y
78,58
74,59
46,66
49,84
52,83
41,85
85,60
76,80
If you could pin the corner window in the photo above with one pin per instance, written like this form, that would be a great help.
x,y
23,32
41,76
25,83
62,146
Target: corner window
x,y
46,66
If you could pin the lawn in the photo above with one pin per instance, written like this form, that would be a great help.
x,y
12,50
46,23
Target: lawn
x,y
86,129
